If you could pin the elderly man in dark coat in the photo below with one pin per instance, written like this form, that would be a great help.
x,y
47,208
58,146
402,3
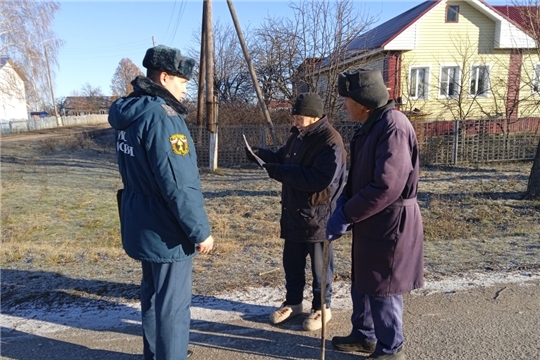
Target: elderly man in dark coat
x,y
311,167
379,203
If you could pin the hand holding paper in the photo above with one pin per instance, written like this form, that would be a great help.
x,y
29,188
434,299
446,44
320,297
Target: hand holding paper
x,y
251,156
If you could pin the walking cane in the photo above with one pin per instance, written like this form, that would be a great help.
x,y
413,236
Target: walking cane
x,y
323,296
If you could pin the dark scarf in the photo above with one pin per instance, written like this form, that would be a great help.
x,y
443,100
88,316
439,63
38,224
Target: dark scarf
x,y
144,86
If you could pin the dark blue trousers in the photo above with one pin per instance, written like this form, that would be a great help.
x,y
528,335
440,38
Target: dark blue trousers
x,y
379,319
294,264
165,302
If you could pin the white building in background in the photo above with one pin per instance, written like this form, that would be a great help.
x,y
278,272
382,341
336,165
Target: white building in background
x,y
12,94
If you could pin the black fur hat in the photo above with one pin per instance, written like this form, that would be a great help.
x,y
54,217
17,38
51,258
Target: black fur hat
x,y
169,60
365,86
308,104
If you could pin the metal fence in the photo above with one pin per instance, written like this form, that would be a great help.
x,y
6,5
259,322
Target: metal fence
x,y
441,142
18,126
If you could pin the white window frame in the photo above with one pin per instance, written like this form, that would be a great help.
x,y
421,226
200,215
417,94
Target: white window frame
x,y
457,77
474,72
535,84
416,83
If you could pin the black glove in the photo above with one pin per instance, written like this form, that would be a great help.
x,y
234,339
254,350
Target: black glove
x,y
271,169
249,156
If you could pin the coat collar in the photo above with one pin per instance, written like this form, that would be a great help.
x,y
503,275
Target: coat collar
x,y
375,116
313,128
144,86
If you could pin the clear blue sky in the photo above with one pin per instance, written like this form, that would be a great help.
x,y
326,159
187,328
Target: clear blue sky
x,y
98,34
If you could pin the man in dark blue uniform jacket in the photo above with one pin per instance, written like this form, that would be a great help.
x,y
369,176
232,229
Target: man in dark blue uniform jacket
x,y
162,216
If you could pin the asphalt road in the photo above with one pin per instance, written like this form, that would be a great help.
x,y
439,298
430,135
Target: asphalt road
x,y
487,323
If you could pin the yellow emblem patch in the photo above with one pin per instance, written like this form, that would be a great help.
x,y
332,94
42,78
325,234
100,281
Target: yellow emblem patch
x,y
179,144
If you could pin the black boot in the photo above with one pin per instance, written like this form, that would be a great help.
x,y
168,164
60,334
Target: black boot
x,y
399,355
351,343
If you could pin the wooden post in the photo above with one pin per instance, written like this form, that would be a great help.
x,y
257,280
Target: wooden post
x,y
210,103
202,71
210,118
202,79
214,142
326,252
58,118
456,143
252,72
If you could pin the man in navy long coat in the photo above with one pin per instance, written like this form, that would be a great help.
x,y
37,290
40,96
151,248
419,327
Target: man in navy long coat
x,y
379,203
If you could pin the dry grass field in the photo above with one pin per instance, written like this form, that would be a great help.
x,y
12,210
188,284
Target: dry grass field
x,y
60,227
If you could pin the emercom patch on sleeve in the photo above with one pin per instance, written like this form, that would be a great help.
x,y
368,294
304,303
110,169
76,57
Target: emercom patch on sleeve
x,y
179,144
169,110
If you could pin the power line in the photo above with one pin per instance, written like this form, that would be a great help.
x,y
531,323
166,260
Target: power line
x,y
178,18
170,19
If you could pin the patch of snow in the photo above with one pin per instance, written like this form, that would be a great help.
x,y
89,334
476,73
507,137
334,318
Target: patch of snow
x,y
222,308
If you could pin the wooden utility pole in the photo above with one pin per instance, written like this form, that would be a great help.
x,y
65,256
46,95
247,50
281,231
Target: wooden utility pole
x,y
211,124
252,71
58,118
202,79
202,72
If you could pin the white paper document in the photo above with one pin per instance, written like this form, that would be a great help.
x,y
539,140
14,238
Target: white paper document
x,y
259,160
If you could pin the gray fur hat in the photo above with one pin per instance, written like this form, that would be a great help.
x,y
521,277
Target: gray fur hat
x,y
365,86
170,60
308,104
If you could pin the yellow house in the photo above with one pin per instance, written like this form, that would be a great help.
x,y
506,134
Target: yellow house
x,y
455,59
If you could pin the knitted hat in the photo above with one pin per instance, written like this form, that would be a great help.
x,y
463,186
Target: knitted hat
x,y
308,104
365,86
169,60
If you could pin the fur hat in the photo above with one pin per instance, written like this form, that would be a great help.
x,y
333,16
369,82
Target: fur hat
x,y
169,60
365,86
308,104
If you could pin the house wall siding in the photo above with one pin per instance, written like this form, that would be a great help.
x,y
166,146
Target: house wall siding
x,y
468,42
529,104
12,95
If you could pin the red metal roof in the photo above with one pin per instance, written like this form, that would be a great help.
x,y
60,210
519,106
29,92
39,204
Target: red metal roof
x,y
526,17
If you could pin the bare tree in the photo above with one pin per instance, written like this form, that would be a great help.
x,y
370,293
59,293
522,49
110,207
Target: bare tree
x,y
463,80
232,82
26,37
125,72
61,105
306,53
529,10
94,99
276,56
